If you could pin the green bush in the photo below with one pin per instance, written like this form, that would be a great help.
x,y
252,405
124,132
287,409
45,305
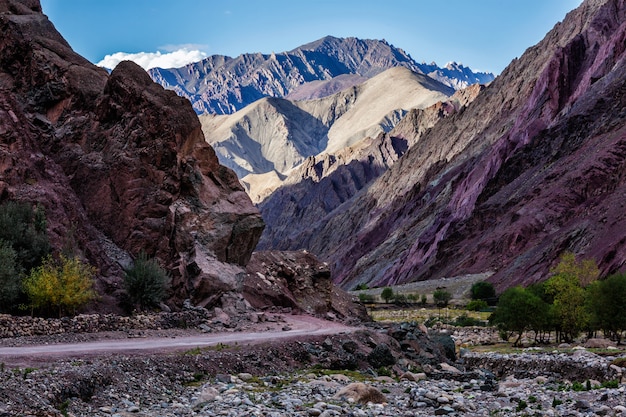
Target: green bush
x,y
10,277
387,294
413,298
477,305
465,321
362,286
485,291
25,229
146,283
441,297
366,298
23,244
605,303
400,299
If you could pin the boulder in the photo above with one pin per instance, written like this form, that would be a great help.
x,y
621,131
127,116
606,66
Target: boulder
x,y
361,393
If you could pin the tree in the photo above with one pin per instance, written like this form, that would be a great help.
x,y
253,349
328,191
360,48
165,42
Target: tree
x,y
387,294
146,283
585,271
10,277
544,322
566,288
485,291
515,310
441,297
63,285
605,300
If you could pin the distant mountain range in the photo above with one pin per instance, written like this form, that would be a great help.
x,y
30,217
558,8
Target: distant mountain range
x,y
224,85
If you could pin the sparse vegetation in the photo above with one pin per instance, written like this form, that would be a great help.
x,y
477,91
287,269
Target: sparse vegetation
x,y
146,283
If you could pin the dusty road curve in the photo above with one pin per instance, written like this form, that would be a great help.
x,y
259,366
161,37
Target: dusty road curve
x,y
300,326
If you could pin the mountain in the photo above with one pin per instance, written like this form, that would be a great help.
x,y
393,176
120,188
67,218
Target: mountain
x,y
224,85
119,164
531,168
325,184
275,135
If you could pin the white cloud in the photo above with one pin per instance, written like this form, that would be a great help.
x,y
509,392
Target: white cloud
x,y
173,59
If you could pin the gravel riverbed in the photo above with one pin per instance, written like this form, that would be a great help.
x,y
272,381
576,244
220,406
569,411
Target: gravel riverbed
x,y
287,379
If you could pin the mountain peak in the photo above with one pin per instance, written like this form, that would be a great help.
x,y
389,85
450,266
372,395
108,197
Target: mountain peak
x,y
223,85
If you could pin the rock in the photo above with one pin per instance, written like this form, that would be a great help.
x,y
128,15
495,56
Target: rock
x,y
244,376
361,393
582,405
207,394
381,356
300,282
449,368
599,343
410,376
225,378
221,317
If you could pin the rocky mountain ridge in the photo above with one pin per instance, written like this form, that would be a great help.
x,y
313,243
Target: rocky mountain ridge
x,y
530,169
224,85
276,135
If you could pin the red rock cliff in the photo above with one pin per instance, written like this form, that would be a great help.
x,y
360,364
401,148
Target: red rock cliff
x,y
119,160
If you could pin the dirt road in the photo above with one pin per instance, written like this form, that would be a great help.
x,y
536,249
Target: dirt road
x,y
298,326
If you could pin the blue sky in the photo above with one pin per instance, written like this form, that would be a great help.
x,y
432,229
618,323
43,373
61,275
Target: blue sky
x,y
482,34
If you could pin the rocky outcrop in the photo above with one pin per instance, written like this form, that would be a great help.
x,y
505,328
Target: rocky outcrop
x,y
118,160
224,85
531,168
299,282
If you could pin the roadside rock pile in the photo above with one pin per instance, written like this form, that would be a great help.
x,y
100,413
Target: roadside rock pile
x,y
197,318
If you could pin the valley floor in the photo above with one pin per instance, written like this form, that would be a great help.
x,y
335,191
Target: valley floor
x,y
303,375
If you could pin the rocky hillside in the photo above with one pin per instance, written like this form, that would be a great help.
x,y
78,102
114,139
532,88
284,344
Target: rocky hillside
x,y
326,183
119,164
223,85
276,135
531,168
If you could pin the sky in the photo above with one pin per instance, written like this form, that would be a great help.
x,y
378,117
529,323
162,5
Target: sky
x,y
484,35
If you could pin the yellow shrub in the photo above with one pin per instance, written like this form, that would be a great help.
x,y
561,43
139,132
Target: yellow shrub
x,y
63,285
